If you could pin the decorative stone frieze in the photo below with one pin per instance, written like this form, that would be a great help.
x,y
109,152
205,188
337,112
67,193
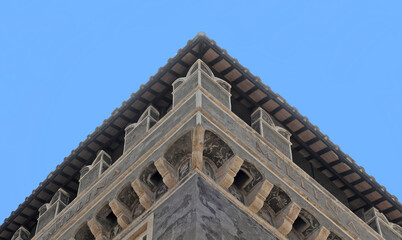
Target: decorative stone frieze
x,y
21,234
216,149
201,76
135,131
92,172
277,136
50,210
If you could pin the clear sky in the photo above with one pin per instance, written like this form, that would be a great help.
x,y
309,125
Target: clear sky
x,y
66,65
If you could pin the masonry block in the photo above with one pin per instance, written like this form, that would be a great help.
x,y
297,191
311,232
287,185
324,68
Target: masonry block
x,y
284,220
121,212
97,229
144,193
167,172
256,198
228,171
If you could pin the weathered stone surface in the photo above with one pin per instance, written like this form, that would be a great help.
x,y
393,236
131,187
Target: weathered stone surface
x,y
198,211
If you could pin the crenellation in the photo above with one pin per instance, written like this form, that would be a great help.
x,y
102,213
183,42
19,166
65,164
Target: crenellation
x,y
21,234
135,131
279,137
92,172
50,210
380,224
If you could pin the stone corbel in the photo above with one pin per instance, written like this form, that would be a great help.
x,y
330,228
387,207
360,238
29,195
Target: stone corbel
x,y
198,147
320,234
167,172
284,221
121,212
97,229
144,193
228,171
256,198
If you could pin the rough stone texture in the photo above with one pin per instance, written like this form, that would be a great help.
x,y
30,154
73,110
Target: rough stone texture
x,y
198,211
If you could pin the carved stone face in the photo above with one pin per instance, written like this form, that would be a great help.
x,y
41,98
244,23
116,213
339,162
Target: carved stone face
x,y
277,199
179,150
184,168
216,149
305,224
255,175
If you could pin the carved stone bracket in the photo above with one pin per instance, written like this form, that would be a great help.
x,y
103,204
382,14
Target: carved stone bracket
x,y
286,218
228,171
320,234
167,172
198,146
97,229
121,212
256,198
144,193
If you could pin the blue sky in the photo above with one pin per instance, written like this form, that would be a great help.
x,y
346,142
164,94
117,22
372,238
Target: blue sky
x,y
66,65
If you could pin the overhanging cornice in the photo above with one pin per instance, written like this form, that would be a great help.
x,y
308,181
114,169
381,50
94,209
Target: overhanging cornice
x,y
316,147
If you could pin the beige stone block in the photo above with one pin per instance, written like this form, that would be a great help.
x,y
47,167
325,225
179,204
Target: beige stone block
x,y
121,212
198,147
256,198
167,172
97,229
144,193
228,171
284,221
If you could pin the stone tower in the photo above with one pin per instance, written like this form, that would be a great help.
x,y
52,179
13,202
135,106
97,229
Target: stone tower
x,y
204,150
